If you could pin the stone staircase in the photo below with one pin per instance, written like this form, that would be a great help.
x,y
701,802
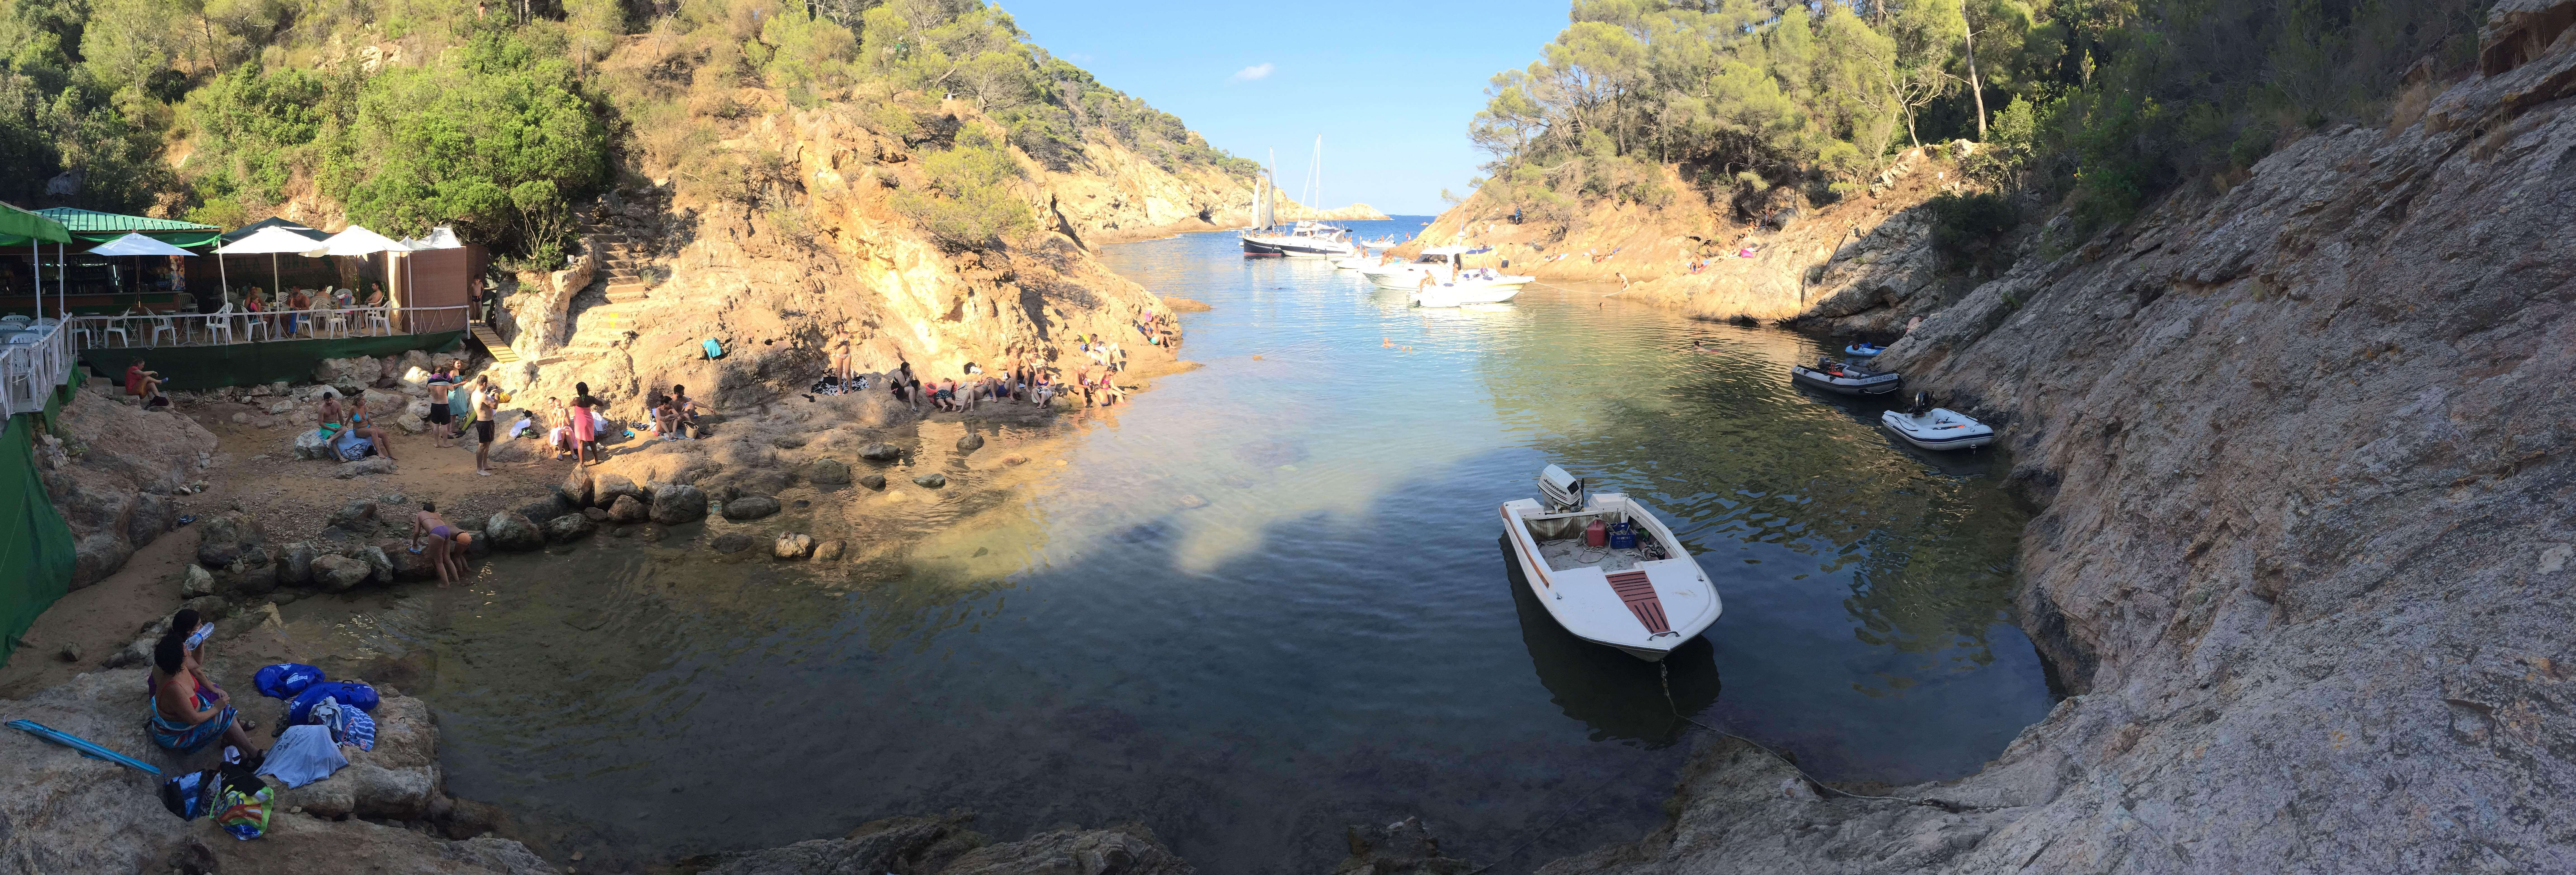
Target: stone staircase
x,y
622,262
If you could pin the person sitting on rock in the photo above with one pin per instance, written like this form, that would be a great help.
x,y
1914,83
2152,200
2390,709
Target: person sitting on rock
x,y
142,383
446,547
687,408
187,715
560,436
1042,388
664,420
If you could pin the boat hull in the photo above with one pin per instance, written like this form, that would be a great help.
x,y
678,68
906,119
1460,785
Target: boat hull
x,y
1254,248
1454,296
1544,582
1963,434
1874,384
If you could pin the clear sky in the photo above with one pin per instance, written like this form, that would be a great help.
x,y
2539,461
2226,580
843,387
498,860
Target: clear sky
x,y
1389,85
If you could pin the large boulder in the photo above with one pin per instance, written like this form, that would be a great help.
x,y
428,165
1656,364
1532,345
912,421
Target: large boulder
x,y
247,580
334,572
225,538
295,564
575,489
358,517
360,371
750,507
408,567
881,452
827,472
197,582
675,504
970,443
514,532
380,565
546,508
310,444
627,510
569,527
606,488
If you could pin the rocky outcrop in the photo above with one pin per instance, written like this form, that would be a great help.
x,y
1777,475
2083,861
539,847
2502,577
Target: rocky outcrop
x,y
68,813
946,846
677,503
112,470
2301,454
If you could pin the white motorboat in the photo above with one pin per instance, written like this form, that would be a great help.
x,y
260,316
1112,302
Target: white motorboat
x,y
1481,285
1937,428
1607,569
1440,278
1306,239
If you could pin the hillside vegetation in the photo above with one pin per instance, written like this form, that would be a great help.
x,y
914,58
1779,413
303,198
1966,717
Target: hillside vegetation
x,y
1767,105
495,116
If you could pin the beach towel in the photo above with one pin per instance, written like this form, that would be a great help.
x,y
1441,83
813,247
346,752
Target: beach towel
x,y
714,350
303,754
174,735
350,447
285,679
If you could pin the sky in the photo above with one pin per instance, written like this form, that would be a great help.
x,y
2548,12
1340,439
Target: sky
x,y
1390,86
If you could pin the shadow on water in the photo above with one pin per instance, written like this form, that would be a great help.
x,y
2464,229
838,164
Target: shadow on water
x,y
1620,696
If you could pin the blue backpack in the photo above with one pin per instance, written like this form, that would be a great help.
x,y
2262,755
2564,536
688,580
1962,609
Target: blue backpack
x,y
352,693
285,679
714,350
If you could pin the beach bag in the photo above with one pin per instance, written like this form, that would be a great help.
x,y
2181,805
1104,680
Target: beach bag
x,y
246,806
284,680
714,350
351,693
191,795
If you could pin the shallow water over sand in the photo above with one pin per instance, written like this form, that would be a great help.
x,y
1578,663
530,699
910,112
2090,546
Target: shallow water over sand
x,y
1270,599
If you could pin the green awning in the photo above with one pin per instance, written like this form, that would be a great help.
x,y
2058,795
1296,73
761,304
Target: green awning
x,y
98,227
17,226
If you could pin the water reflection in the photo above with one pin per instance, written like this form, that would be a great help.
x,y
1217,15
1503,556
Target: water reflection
x,y
1620,696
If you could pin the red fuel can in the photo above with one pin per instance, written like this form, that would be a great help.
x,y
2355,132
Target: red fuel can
x,y
1596,534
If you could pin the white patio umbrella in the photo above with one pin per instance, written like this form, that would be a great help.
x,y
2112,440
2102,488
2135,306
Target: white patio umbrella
x,y
353,240
269,241
138,246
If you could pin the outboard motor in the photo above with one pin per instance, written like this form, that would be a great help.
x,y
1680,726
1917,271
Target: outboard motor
x,y
1563,492
1922,404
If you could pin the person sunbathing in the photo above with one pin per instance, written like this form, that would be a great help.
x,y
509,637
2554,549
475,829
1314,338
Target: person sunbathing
x,y
187,714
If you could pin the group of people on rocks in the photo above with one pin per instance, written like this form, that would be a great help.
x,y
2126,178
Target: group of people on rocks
x,y
1023,378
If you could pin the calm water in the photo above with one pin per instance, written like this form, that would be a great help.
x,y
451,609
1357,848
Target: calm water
x,y
1269,600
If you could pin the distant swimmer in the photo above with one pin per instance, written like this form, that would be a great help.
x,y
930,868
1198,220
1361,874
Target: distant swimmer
x,y
1701,346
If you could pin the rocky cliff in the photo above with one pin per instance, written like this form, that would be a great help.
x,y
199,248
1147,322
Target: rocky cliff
x,y
112,469
2303,554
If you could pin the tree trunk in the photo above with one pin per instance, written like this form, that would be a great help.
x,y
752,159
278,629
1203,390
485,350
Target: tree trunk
x,y
1974,87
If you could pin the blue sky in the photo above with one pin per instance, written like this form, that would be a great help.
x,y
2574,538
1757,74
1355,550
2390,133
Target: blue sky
x,y
1389,85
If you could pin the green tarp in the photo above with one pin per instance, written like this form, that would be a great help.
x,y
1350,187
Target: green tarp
x,y
16,225
98,227
249,364
35,546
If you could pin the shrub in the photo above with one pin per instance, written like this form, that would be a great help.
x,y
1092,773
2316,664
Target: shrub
x,y
1965,228
970,205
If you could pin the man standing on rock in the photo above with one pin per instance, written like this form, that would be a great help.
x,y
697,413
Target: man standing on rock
x,y
486,409
438,410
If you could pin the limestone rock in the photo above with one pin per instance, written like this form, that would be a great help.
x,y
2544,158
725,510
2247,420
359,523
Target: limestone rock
x,y
829,551
594,514
792,546
1400,848
731,542
627,510
513,532
407,566
750,507
70,652
970,443
198,582
607,488
335,573
360,371
544,509
225,538
248,580
575,489
827,472
380,565
881,452
358,517
873,481
364,467
676,504
410,424
310,444
569,527
930,481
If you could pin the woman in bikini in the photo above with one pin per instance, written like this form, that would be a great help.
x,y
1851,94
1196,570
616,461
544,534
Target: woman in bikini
x,y
446,548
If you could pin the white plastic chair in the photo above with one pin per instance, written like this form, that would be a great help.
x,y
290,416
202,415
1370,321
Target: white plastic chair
x,y
379,321
256,324
222,323
161,325
115,327
336,323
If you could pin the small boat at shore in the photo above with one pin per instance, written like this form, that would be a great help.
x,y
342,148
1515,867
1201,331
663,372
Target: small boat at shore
x,y
1863,350
1844,378
1607,569
1936,428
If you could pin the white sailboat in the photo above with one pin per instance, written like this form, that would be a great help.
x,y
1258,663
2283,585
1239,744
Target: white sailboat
x,y
1307,238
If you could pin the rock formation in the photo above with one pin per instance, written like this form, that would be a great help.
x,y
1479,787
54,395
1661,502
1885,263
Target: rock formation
x,y
111,471
2303,552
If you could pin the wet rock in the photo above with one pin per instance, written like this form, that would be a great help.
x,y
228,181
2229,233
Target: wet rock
x,y
676,504
198,582
594,514
358,517
408,566
827,472
731,542
881,452
69,653
283,597
970,443
792,546
250,580
514,532
569,527
873,481
380,565
575,489
607,488
1400,848
336,573
930,481
364,467
544,509
627,510
650,534
750,507
478,546
295,564
829,551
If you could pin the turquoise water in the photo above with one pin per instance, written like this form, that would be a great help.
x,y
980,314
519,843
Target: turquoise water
x,y
1270,599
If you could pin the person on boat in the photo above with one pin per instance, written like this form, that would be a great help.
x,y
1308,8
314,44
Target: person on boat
x,y
187,713
446,543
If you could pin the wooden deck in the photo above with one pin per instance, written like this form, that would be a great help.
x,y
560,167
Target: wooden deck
x,y
492,343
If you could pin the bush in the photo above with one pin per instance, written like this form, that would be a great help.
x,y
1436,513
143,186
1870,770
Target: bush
x,y
971,204
1966,228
